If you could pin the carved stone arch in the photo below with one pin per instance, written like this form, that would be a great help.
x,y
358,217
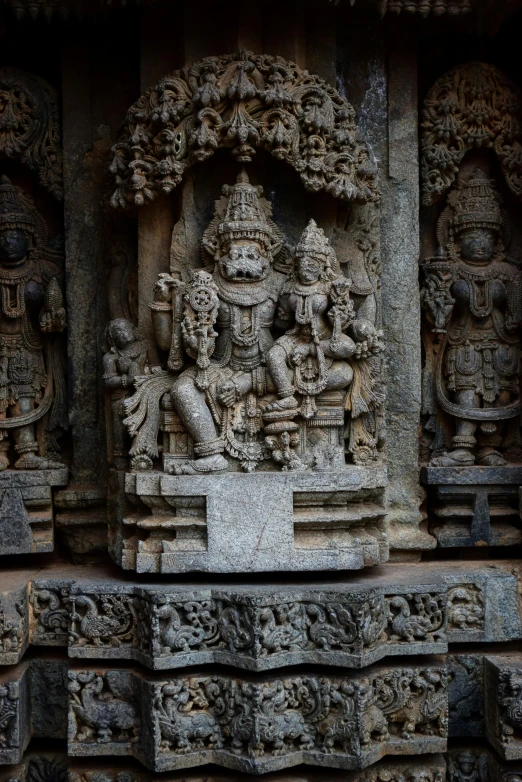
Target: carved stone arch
x,y
243,102
30,127
472,106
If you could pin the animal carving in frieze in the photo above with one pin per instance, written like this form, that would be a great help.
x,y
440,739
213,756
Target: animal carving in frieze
x,y
9,706
466,607
102,620
413,700
182,719
102,708
426,618
182,627
510,698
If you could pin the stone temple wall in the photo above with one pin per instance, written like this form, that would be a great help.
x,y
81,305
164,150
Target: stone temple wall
x,y
260,448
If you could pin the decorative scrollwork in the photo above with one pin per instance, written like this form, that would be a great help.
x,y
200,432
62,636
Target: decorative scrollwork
x,y
29,126
473,106
243,102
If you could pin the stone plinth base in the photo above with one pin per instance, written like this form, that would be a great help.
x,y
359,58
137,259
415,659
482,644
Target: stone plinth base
x,y
474,506
26,510
235,522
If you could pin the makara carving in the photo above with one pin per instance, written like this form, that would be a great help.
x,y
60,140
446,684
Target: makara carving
x,y
243,102
473,106
30,126
472,297
264,402
32,377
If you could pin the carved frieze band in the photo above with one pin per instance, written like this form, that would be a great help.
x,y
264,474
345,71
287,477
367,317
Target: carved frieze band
x,y
262,725
259,628
40,768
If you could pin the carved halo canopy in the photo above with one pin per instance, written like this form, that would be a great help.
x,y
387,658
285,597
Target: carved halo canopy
x,y
29,126
472,106
244,102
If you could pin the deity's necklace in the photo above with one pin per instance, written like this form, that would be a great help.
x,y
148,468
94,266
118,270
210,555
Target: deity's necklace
x,y
12,283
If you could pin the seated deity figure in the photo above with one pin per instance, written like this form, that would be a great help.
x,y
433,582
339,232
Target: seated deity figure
x,y
312,356
31,385
473,297
243,244
243,389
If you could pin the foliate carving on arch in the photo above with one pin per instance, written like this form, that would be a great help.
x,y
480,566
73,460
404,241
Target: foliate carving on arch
x,y
242,102
29,126
472,106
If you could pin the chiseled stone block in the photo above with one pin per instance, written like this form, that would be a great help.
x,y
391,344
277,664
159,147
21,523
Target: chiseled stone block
x,y
474,506
26,510
260,725
255,522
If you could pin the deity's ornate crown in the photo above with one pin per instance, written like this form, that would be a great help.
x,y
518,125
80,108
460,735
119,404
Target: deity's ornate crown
x,y
313,242
244,218
16,211
477,205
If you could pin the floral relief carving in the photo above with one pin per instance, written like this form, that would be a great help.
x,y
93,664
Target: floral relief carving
x,y
473,106
243,102
29,126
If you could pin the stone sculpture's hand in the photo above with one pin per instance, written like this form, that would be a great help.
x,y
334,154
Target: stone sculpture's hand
x,y
163,287
52,320
227,393
299,353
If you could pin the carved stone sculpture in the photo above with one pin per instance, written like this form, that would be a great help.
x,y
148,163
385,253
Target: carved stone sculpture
x,y
32,403
473,106
472,297
126,359
30,126
466,767
245,390
244,102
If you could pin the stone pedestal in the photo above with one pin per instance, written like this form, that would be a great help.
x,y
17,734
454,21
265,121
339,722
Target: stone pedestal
x,y
234,522
474,506
26,510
